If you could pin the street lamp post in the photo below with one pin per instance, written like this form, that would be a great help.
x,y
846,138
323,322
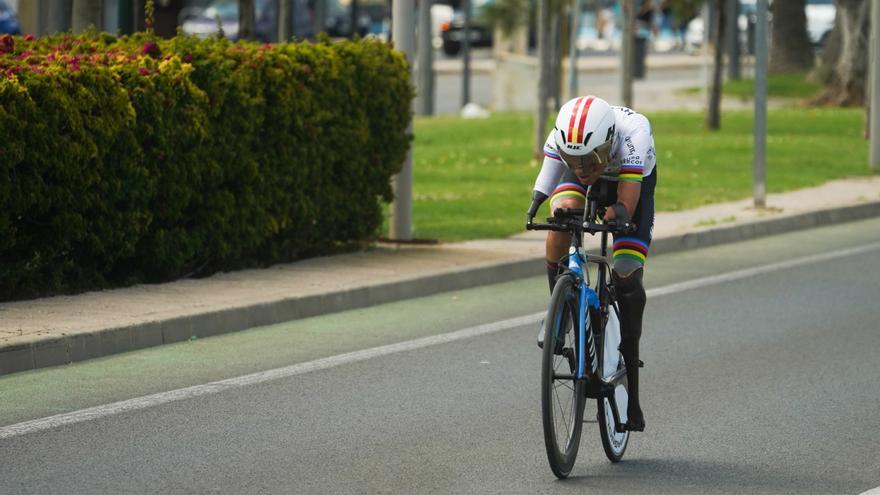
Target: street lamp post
x,y
466,55
874,119
760,170
426,60
627,52
403,33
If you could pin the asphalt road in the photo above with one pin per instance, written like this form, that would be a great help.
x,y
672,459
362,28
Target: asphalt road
x,y
765,384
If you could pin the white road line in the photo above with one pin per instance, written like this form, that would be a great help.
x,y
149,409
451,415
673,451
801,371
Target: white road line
x,y
757,270
875,491
353,357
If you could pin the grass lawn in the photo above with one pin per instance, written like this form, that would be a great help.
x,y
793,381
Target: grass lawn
x,y
474,178
778,86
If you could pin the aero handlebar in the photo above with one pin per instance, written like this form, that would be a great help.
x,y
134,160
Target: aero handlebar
x,y
572,220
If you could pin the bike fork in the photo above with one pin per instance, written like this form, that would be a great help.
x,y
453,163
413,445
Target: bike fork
x,y
585,337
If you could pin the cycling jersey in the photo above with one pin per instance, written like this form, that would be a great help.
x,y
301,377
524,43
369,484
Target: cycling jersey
x,y
632,155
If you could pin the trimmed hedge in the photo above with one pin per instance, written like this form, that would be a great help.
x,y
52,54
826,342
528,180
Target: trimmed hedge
x,y
126,160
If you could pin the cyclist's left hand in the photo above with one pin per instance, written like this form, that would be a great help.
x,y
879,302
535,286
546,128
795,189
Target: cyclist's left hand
x,y
616,212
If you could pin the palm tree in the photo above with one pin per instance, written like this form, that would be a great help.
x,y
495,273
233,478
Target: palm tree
x,y
790,50
847,49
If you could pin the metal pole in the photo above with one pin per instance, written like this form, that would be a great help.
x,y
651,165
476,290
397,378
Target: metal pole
x,y
874,118
705,12
760,172
426,60
466,54
404,40
572,50
627,52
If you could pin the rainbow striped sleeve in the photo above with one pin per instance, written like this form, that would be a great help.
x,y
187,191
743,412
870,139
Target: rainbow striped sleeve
x,y
551,153
568,190
631,171
632,248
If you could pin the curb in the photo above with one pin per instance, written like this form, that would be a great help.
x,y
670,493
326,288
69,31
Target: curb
x,y
80,347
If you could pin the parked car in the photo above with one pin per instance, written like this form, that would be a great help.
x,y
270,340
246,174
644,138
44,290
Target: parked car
x,y
8,20
203,22
452,32
820,20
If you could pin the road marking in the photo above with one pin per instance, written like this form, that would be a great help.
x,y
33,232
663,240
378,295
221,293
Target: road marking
x,y
757,270
260,377
874,491
147,401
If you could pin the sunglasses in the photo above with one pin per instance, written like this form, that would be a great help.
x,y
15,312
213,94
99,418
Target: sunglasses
x,y
589,163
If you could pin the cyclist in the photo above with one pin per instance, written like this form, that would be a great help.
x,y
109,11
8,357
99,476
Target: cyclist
x,y
595,143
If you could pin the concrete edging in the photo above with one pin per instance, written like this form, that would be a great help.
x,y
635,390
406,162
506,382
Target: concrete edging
x,y
79,347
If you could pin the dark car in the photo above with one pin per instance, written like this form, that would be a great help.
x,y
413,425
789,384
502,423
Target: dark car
x,y
452,33
8,20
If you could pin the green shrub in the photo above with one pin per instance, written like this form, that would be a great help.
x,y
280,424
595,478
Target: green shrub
x,y
131,159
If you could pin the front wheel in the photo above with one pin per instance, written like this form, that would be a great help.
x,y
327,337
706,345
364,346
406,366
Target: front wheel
x,y
562,395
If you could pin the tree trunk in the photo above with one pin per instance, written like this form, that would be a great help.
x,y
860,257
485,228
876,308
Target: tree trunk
x,y
713,116
87,13
246,20
556,59
790,47
58,16
544,78
846,86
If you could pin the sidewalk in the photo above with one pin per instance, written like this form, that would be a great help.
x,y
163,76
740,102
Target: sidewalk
x,y
59,330
589,63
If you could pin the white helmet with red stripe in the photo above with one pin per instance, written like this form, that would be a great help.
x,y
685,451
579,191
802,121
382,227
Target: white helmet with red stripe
x,y
584,132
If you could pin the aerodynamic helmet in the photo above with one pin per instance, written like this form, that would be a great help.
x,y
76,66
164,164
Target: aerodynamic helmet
x,y
584,132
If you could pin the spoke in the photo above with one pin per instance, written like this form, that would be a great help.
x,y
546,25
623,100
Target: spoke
x,y
562,414
564,383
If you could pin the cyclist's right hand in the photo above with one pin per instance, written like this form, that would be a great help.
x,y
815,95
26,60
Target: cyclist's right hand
x,y
537,199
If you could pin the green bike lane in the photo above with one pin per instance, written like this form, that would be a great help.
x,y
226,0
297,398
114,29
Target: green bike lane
x,y
45,392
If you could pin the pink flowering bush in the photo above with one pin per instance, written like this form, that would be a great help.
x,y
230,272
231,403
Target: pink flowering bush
x,y
134,159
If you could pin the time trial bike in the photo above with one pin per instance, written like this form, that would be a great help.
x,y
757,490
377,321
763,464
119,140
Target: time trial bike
x,y
581,358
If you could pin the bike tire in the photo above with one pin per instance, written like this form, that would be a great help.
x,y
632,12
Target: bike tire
x,y
563,308
614,443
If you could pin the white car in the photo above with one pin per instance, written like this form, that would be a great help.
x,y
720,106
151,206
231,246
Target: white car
x,y
820,22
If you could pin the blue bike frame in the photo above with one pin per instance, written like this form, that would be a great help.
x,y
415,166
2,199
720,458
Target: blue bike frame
x,y
588,299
